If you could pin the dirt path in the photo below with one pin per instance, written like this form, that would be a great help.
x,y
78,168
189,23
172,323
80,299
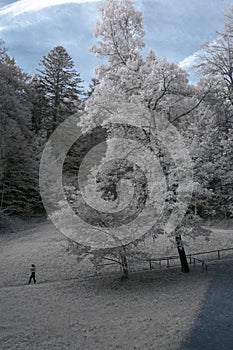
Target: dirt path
x,y
213,329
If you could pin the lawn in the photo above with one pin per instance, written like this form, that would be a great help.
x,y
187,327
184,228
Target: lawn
x,y
69,308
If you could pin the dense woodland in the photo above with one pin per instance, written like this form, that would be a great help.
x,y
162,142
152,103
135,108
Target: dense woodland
x,y
33,106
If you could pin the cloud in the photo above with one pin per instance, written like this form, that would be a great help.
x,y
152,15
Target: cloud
x,y
189,61
29,36
175,29
23,6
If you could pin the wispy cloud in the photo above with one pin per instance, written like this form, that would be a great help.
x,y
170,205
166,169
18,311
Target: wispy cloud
x,y
189,61
23,6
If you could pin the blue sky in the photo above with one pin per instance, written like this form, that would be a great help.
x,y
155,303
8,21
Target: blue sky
x,y
175,29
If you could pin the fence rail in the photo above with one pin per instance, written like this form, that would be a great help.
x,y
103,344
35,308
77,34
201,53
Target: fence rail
x,y
169,260
192,258
218,251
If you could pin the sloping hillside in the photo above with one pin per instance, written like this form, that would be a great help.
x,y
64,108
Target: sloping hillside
x,y
66,310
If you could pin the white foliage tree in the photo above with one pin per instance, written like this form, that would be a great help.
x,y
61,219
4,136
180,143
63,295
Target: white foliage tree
x,y
158,88
216,68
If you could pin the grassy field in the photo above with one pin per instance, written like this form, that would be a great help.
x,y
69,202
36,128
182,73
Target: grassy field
x,y
69,309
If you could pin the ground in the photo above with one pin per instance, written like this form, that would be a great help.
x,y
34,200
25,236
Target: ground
x,y
213,327
69,308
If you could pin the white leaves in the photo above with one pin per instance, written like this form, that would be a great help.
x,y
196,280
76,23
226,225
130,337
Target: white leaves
x,y
121,31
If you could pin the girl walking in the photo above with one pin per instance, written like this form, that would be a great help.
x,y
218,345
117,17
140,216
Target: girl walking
x,y
33,274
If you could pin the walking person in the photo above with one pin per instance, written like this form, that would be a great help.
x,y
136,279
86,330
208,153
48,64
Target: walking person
x,y
33,274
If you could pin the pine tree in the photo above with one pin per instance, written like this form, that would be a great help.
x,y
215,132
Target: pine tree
x,y
60,82
39,105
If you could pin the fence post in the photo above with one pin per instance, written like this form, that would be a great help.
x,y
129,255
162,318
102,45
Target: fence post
x,y
150,265
218,254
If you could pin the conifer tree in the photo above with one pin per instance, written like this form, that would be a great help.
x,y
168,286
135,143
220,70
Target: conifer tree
x,y
61,84
39,105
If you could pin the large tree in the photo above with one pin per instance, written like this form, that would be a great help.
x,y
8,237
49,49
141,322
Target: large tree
x,y
61,85
40,107
216,57
160,90
216,69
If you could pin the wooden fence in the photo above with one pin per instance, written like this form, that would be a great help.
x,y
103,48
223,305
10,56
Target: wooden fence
x,y
174,260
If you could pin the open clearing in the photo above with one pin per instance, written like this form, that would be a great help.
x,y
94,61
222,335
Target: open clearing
x,y
68,310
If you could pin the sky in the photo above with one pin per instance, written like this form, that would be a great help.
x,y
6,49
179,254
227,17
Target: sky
x,y
175,29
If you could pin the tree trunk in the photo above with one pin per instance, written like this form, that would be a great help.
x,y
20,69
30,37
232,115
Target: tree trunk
x,y
182,255
125,271
195,206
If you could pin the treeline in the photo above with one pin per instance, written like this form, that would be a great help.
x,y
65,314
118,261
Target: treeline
x,y
31,108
